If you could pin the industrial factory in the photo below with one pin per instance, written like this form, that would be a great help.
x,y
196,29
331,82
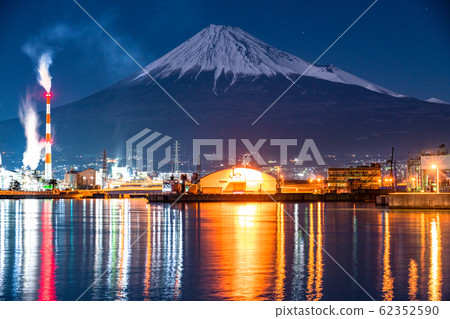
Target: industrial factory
x,y
28,177
426,172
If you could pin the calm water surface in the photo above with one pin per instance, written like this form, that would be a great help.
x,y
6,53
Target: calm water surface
x,y
57,249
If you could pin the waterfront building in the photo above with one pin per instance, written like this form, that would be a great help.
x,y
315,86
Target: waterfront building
x,y
310,186
428,169
238,180
80,180
345,179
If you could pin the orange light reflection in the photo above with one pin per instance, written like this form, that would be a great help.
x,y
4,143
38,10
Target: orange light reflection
x,y
413,280
388,280
281,258
148,259
435,279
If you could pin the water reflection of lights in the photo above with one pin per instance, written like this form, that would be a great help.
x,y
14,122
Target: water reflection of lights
x,y
412,280
423,246
2,246
281,258
246,215
319,259
315,258
355,246
112,246
148,256
48,267
243,251
311,263
124,250
435,279
179,256
239,262
98,257
299,259
31,231
18,254
164,253
246,256
388,280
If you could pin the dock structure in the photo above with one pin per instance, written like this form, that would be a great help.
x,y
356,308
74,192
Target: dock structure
x,y
278,197
419,200
157,196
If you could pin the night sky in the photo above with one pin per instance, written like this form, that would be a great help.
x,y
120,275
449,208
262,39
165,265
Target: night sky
x,y
401,45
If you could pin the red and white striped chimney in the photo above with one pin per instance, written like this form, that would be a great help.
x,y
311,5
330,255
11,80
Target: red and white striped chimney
x,y
48,142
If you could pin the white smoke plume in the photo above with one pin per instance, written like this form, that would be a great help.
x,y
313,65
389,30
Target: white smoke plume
x,y
30,122
44,77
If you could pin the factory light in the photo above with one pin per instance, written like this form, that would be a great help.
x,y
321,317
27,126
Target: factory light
x,y
434,166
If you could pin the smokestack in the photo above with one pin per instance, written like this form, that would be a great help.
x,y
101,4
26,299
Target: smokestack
x,y
48,141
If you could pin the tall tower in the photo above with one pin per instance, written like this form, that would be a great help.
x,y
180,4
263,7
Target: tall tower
x,y
48,141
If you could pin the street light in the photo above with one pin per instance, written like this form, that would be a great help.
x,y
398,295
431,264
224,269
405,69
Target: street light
x,y
434,166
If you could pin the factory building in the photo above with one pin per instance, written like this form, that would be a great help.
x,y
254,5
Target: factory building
x,y
341,180
428,170
238,180
311,186
86,179
7,178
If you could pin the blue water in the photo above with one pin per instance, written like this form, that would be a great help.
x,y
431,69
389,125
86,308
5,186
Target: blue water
x,y
126,249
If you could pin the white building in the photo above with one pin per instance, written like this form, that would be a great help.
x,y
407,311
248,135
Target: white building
x,y
8,177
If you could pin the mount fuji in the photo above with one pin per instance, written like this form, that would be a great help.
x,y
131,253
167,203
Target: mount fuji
x,y
225,78
232,52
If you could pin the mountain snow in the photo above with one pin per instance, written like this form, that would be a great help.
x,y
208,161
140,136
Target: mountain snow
x,y
435,100
232,51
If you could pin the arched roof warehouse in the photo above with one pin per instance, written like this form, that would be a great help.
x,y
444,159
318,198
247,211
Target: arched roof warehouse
x,y
238,180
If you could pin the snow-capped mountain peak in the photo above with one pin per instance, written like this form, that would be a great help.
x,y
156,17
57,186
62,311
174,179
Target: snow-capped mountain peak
x,y
232,51
436,100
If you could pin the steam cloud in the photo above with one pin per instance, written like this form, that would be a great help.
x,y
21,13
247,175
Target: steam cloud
x,y
29,117
30,122
44,77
